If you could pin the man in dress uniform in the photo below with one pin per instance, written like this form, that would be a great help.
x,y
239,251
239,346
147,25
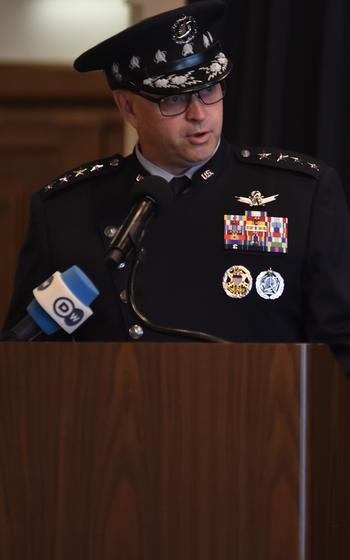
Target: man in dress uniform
x,y
254,245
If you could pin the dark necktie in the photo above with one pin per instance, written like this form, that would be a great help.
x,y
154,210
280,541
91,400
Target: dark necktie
x,y
180,184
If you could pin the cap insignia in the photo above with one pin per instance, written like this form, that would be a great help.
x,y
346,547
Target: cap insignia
x,y
134,62
116,74
184,30
207,39
160,56
217,67
187,49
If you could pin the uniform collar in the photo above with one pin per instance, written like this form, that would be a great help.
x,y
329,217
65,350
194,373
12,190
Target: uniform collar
x,y
154,169
213,167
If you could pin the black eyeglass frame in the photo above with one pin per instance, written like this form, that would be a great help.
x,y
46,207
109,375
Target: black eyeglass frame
x,y
190,94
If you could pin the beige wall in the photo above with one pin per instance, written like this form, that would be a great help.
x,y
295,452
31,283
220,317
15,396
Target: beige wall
x,y
151,7
56,31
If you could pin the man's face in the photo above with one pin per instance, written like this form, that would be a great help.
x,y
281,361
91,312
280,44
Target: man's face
x,y
173,143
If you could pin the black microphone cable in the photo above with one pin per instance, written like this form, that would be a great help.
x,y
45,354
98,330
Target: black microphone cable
x,y
185,333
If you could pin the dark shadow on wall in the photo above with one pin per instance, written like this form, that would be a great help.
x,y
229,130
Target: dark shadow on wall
x,y
290,83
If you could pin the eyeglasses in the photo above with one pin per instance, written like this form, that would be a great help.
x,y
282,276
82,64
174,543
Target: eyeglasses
x,y
178,103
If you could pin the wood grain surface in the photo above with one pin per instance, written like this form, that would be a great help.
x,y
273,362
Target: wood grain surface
x,y
329,459
149,451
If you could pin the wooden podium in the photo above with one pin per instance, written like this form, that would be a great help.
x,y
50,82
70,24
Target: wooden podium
x,y
182,451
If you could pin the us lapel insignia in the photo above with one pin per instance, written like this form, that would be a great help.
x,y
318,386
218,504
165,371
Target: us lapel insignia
x,y
256,231
207,174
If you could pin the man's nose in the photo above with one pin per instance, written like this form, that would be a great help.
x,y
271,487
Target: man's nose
x,y
196,108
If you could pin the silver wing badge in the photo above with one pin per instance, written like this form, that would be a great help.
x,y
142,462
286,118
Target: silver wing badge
x,y
256,199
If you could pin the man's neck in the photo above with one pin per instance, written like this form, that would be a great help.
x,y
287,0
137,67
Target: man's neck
x,y
155,169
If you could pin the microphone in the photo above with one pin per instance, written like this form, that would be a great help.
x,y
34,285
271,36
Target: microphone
x,y
152,196
61,302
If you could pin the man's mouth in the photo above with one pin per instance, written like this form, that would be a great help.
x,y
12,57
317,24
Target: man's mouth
x,y
199,137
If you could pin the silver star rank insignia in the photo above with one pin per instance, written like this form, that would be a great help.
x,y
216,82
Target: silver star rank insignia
x,y
96,167
297,160
79,172
313,166
282,157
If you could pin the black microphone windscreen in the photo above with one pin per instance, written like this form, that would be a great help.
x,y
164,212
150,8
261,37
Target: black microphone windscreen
x,y
155,188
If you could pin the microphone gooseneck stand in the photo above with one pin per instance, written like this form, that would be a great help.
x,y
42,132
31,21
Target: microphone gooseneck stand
x,y
185,333
25,331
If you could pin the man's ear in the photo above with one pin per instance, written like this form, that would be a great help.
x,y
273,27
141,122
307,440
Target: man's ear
x,y
124,102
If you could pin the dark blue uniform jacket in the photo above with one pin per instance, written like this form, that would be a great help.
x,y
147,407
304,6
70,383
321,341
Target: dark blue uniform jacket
x,y
180,283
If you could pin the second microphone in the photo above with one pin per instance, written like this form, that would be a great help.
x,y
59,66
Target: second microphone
x,y
151,196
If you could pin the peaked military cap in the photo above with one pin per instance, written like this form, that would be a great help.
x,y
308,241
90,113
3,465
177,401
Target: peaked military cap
x,y
169,53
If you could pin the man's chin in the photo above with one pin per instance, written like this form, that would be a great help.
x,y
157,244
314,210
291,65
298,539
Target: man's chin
x,y
201,152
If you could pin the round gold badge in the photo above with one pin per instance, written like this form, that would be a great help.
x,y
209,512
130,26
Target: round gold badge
x,y
237,281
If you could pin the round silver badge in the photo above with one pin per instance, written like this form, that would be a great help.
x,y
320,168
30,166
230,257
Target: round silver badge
x,y
184,30
269,284
237,281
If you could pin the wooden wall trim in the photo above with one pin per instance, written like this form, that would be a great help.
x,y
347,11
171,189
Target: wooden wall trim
x,y
36,83
51,119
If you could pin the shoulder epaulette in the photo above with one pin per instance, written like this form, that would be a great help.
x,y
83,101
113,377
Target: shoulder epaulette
x,y
282,159
87,170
